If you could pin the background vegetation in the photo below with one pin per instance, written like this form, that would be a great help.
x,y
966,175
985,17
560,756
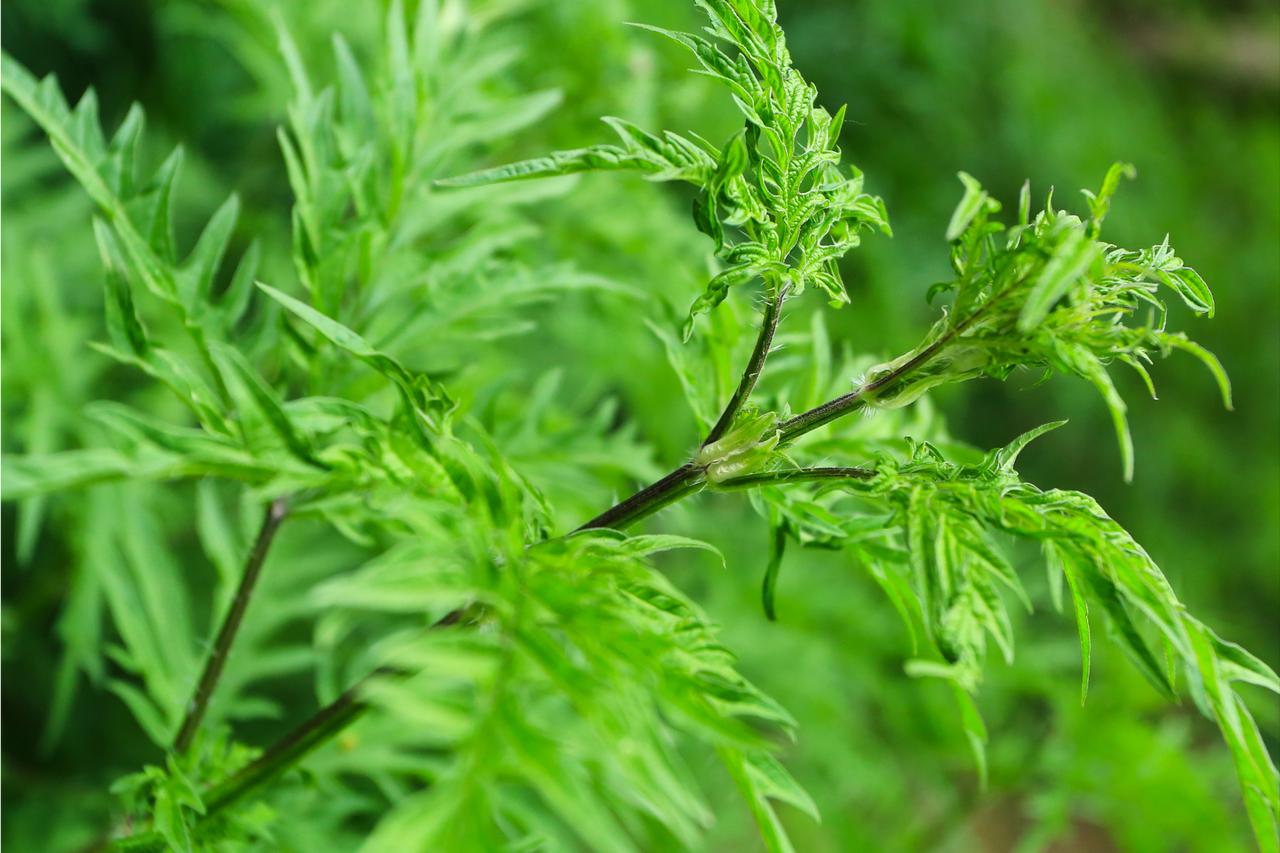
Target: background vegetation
x,y
1005,90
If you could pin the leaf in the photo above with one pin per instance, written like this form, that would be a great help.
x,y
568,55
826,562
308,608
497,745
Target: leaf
x,y
974,202
718,288
235,300
672,158
1238,664
1097,374
25,476
771,779
1188,284
1071,259
778,545
656,543
158,200
143,710
771,829
265,399
1258,777
196,279
1007,456
1206,358
342,337
355,106
1100,204
1104,592
123,326
1076,585
975,732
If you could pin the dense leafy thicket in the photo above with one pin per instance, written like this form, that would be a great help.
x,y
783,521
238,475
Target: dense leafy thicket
x,y
332,419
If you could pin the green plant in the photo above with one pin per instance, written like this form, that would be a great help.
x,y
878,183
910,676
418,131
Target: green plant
x,y
532,686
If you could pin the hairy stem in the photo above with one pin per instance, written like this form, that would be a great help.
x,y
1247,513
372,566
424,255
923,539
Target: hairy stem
x,y
818,416
689,478
213,666
685,480
855,400
769,325
796,475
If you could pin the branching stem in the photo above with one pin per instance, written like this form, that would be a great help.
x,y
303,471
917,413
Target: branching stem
x,y
755,365
689,478
286,752
683,481
283,754
855,400
213,666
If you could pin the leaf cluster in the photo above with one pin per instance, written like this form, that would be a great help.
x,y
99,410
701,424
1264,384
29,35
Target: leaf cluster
x,y
562,636
931,532
777,184
484,682
1047,294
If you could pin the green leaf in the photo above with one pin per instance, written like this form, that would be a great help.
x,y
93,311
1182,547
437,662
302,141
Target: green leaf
x,y
411,389
1105,592
1007,456
974,202
718,288
1208,359
778,545
975,732
265,399
123,326
196,280
770,779
1071,260
1100,204
771,829
1076,584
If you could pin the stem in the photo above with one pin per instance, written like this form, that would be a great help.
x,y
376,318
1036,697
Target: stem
x,y
772,313
689,478
290,749
797,475
275,514
324,724
685,480
822,415
308,735
284,753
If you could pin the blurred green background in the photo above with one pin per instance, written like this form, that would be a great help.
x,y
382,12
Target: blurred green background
x,y
1047,90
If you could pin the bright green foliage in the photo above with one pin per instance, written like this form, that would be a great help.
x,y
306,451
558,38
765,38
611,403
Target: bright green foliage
x,y
777,182
936,552
578,634
581,647
1048,293
487,680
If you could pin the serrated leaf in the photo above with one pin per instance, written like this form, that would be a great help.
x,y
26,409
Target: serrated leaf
x,y
777,547
974,201
1071,259
202,264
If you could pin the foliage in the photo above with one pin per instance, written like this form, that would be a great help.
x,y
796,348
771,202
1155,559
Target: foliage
x,y
486,679
777,181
